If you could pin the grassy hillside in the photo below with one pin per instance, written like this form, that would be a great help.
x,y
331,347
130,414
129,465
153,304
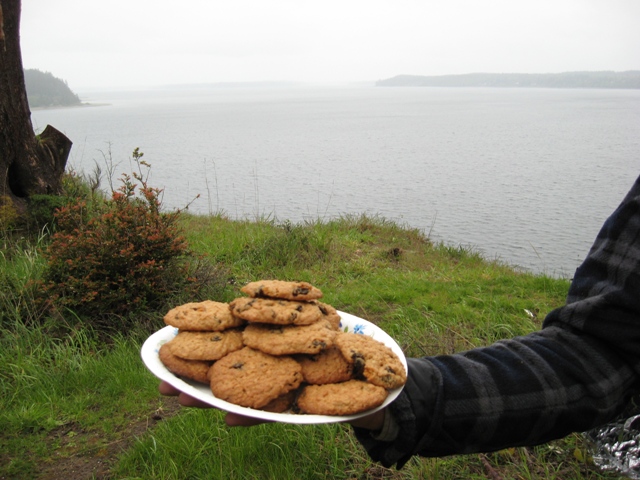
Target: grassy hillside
x,y
74,406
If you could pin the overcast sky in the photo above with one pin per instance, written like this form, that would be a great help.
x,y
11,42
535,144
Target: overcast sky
x,y
132,43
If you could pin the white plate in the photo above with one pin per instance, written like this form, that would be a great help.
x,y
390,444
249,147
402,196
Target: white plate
x,y
202,392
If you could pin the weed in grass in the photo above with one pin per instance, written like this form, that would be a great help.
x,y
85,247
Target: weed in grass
x,y
20,264
290,247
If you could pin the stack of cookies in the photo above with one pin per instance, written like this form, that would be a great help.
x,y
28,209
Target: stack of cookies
x,y
280,349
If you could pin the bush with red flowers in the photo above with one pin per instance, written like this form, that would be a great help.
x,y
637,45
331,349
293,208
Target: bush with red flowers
x,y
122,257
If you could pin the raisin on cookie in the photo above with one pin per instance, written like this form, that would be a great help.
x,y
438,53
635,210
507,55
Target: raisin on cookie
x,y
251,378
301,291
328,366
372,359
330,314
206,345
206,316
289,339
278,312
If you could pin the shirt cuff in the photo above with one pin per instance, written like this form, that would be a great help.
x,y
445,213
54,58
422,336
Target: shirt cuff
x,y
389,431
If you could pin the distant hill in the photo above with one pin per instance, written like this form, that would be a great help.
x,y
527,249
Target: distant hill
x,y
629,79
45,90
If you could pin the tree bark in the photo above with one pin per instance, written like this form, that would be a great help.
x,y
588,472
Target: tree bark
x,y
28,164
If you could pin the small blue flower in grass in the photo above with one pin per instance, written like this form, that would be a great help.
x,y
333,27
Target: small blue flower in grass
x,y
359,328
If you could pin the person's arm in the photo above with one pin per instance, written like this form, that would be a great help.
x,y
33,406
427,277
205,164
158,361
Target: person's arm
x,y
578,372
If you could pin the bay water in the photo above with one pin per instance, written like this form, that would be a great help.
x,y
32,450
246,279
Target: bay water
x,y
525,176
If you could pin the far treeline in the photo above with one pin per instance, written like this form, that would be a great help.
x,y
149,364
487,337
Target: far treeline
x,y
45,90
606,79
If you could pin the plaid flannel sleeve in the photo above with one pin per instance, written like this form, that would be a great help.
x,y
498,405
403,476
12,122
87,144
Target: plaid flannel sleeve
x,y
576,373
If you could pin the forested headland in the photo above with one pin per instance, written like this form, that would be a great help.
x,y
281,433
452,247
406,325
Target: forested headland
x,y
45,90
604,79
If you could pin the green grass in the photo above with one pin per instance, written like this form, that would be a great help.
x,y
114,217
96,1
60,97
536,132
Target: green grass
x,y
72,385
70,396
19,264
184,449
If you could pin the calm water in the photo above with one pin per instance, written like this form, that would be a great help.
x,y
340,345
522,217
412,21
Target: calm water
x,y
523,175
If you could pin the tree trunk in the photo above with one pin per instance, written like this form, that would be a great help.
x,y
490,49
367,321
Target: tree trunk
x,y
28,164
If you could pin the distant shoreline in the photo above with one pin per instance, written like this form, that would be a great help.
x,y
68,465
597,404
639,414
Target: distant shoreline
x,y
610,80
52,107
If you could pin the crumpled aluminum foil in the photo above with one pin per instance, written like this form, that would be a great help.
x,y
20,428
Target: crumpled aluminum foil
x,y
615,447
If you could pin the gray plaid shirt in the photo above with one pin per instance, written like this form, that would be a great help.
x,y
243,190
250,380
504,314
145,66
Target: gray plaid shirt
x,y
578,372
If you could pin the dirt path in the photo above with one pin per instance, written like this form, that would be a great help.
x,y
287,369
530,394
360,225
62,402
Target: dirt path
x,y
97,464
